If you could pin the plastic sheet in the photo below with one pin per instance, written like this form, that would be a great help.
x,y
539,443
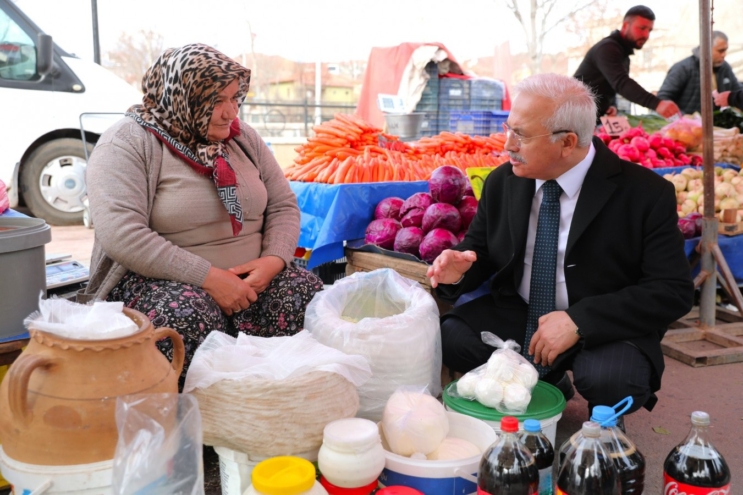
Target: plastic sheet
x,y
391,321
333,213
268,397
101,320
159,449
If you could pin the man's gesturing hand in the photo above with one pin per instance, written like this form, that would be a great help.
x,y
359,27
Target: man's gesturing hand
x,y
555,335
449,266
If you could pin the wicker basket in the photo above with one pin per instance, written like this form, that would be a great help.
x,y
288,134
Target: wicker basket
x,y
266,418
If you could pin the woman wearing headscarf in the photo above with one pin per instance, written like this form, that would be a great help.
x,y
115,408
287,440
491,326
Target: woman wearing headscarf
x,y
196,225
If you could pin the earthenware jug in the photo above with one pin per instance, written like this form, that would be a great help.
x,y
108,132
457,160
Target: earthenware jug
x,y
58,400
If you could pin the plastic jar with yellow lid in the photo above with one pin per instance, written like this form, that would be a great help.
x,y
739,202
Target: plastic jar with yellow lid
x,y
285,475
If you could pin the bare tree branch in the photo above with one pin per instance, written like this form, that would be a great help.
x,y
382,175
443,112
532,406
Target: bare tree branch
x,y
568,16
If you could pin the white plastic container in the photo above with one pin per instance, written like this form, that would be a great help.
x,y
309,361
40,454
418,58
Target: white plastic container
x,y
442,477
351,455
236,467
80,479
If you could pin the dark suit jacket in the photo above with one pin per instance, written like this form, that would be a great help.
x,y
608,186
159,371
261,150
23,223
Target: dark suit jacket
x,y
626,273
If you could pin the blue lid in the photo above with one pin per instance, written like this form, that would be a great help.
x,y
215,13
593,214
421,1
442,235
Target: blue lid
x,y
604,415
532,426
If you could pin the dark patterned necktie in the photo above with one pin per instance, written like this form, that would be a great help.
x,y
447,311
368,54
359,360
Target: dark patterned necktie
x,y
543,265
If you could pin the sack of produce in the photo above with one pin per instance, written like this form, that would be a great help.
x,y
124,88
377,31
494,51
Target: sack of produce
x,y
269,397
686,130
504,383
391,321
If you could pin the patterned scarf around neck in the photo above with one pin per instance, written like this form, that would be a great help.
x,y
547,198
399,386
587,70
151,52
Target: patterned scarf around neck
x,y
180,92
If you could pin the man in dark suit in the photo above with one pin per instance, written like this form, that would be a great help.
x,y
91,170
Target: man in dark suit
x,y
618,273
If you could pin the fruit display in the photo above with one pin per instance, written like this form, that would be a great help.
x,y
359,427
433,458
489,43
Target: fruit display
x,y
347,150
690,196
425,223
650,151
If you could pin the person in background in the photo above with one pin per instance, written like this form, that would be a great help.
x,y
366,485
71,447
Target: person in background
x,y
682,81
587,260
196,225
605,68
730,99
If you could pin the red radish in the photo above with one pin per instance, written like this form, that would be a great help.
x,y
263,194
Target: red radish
x,y
669,143
658,163
647,163
640,143
679,149
656,141
630,151
605,137
663,151
685,159
669,162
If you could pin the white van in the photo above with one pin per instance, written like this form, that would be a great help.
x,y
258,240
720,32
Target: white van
x,y
48,98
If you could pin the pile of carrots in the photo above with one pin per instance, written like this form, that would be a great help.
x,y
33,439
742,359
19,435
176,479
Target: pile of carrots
x,y
347,150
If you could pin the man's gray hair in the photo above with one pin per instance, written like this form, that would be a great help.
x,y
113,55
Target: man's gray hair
x,y
719,34
574,101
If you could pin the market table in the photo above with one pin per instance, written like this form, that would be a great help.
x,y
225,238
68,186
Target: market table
x,y
334,213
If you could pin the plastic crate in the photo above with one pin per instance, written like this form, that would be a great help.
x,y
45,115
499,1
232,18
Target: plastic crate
x,y
473,123
428,103
486,104
329,272
486,89
430,124
454,94
497,119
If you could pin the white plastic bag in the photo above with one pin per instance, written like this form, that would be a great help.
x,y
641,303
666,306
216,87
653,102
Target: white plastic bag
x,y
414,422
267,397
159,451
101,320
504,383
391,321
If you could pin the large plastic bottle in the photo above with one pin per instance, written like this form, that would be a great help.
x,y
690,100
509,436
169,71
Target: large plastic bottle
x,y
588,469
507,467
628,460
544,454
694,466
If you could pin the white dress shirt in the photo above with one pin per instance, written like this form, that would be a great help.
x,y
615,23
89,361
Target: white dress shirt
x,y
571,183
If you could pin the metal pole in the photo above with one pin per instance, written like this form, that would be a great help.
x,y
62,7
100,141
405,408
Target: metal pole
x,y
318,92
709,223
96,42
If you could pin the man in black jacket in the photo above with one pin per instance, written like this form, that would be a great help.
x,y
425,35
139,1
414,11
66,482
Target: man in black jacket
x,y
605,68
618,275
682,82
730,99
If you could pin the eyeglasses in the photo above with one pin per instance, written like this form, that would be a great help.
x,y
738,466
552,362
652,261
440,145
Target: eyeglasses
x,y
510,133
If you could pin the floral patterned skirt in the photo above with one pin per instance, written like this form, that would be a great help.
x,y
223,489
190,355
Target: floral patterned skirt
x,y
189,310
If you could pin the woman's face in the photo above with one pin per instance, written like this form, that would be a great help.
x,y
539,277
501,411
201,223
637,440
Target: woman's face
x,y
224,113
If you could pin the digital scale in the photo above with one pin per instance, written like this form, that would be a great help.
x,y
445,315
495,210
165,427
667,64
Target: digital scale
x,y
62,271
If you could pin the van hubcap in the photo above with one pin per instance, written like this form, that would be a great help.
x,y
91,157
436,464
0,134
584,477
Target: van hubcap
x,y
62,183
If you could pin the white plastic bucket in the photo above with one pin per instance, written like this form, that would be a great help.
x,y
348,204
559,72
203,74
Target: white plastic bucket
x,y
549,425
79,479
442,477
235,468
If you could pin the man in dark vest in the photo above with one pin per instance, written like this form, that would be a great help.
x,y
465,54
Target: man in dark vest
x,y
584,258
605,68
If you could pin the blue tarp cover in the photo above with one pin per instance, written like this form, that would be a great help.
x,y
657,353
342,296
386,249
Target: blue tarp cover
x,y
333,213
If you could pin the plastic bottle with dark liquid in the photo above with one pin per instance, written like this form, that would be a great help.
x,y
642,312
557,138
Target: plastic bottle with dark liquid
x,y
588,469
695,467
544,454
507,467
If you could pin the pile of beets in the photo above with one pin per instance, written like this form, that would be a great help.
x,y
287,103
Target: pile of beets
x,y
425,224
650,151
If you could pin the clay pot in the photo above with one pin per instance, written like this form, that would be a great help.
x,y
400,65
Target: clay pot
x,y
58,400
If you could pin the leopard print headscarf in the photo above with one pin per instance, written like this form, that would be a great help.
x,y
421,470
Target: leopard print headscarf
x,y
180,92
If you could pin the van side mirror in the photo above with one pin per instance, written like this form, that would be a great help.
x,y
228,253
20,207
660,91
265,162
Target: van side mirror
x,y
44,52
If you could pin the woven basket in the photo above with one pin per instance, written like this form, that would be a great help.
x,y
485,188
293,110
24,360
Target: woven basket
x,y
266,418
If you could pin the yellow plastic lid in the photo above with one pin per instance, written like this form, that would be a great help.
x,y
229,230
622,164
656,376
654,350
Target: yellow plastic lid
x,y
284,475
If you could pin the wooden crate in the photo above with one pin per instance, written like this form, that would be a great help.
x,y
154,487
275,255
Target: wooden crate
x,y
360,261
687,342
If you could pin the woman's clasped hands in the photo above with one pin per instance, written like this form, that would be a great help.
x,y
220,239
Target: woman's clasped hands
x,y
237,288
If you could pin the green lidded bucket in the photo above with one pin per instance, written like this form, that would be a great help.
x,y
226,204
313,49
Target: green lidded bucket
x,y
547,404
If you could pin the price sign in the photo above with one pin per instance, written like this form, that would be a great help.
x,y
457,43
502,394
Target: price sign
x,y
614,126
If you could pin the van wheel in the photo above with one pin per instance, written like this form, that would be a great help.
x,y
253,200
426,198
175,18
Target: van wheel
x,y
53,181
